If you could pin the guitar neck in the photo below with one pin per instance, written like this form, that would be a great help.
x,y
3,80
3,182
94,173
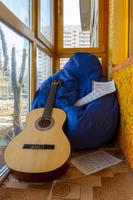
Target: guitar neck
x,y
50,102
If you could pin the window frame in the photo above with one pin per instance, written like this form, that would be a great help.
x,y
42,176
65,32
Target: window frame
x,y
40,36
46,52
9,19
101,30
100,51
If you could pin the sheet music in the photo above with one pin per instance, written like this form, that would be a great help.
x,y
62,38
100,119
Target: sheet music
x,y
95,161
99,89
105,86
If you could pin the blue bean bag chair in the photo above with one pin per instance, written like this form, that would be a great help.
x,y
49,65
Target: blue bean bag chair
x,y
93,124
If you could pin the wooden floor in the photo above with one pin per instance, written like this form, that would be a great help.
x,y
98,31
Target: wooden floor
x,y
114,183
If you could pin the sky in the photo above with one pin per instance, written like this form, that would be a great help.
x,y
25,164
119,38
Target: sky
x,y
71,12
18,7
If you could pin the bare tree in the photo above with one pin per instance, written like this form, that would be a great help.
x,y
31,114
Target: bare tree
x,y
4,68
17,87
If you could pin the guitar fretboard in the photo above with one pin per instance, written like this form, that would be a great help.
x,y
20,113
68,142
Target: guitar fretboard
x,y
50,102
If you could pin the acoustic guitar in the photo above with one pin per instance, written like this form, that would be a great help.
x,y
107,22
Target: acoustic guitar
x,y
41,151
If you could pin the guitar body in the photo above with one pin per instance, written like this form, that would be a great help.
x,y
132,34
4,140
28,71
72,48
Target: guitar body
x,y
39,153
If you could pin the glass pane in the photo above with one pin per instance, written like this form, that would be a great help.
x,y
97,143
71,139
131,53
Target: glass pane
x,y
63,61
21,8
46,21
44,66
14,84
80,23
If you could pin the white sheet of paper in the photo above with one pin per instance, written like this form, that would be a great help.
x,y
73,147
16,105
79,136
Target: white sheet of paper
x,y
95,161
90,97
105,86
99,89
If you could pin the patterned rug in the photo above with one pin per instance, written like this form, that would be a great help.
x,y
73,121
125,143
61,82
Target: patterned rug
x,y
113,183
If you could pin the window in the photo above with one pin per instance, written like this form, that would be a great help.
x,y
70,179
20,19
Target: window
x,y
63,61
14,84
82,27
20,8
44,66
46,19
81,21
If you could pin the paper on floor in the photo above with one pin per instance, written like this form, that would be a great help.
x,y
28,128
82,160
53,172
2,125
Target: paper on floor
x,y
95,161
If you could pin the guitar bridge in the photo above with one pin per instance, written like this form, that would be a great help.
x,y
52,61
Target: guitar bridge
x,y
38,146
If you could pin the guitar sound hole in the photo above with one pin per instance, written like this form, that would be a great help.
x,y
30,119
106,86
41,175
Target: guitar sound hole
x,y
44,123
